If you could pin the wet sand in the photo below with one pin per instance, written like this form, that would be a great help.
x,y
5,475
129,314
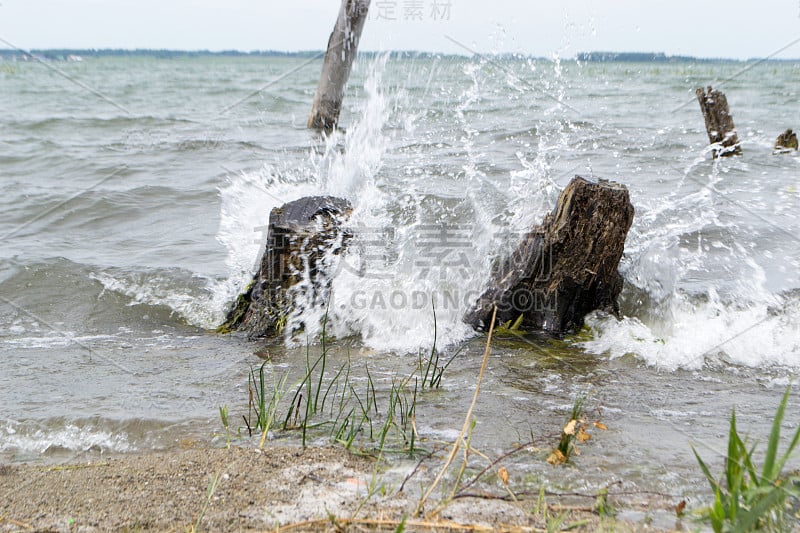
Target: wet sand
x,y
275,489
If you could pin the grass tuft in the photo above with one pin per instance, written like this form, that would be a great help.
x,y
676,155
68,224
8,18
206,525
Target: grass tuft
x,y
744,498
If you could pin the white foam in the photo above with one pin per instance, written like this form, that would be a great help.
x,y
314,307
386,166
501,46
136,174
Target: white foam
x,y
699,333
709,300
60,340
160,290
14,437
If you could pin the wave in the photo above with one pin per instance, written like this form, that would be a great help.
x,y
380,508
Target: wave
x,y
93,298
38,438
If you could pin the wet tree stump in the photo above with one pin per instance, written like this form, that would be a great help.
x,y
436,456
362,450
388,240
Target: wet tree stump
x,y
719,123
342,48
786,142
303,237
564,268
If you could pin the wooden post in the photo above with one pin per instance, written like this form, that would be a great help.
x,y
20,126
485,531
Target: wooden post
x,y
786,142
565,268
719,123
342,48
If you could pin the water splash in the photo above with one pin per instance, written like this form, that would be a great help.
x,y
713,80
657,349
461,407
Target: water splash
x,y
416,247
697,295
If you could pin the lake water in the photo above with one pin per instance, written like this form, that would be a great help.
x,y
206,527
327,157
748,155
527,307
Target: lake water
x,y
132,217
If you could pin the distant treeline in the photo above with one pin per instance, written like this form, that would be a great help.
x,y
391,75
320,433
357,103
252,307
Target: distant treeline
x,y
61,54
64,53
651,57
634,57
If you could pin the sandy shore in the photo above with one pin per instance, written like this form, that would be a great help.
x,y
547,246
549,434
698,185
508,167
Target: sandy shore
x,y
284,489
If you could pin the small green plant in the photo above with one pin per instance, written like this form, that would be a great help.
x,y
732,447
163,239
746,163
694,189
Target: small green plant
x,y
575,429
263,407
432,378
508,329
601,504
372,420
375,486
223,415
556,522
745,499
212,487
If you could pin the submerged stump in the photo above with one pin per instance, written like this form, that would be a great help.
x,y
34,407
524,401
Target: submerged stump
x,y
564,268
786,142
303,237
719,123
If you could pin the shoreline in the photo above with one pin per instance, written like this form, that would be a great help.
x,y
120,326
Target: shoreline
x,y
275,488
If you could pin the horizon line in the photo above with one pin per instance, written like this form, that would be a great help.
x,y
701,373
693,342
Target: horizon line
x,y
590,56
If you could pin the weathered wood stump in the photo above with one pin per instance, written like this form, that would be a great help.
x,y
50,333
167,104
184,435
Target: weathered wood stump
x,y
302,238
786,142
566,267
719,123
342,48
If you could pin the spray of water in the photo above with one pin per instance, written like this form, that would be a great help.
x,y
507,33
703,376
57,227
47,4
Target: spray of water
x,y
699,295
420,243
425,237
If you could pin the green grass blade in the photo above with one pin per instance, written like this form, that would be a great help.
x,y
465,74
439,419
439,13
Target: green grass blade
x,y
749,520
717,514
330,385
711,480
733,459
768,473
751,467
262,397
792,445
371,387
324,356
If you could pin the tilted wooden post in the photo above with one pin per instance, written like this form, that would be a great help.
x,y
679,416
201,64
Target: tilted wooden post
x,y
719,123
342,48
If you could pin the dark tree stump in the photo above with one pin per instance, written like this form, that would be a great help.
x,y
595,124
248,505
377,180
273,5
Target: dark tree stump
x,y
565,268
302,238
719,123
786,142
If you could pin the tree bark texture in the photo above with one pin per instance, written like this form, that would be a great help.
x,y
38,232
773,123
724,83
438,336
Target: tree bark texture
x,y
342,48
302,238
566,267
719,123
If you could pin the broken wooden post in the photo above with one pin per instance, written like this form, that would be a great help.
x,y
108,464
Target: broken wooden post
x,y
786,142
719,123
342,47
566,267
302,238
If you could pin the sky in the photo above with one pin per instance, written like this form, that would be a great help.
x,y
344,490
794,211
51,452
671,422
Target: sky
x,y
738,29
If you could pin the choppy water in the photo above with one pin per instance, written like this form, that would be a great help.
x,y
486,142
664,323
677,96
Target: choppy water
x,y
129,226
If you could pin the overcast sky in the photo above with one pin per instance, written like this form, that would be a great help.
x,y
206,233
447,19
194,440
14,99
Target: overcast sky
x,y
735,28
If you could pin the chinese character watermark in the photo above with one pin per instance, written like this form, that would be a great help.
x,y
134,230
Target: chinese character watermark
x,y
443,247
412,10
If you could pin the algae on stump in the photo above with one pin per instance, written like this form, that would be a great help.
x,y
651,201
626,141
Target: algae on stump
x,y
303,237
786,142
